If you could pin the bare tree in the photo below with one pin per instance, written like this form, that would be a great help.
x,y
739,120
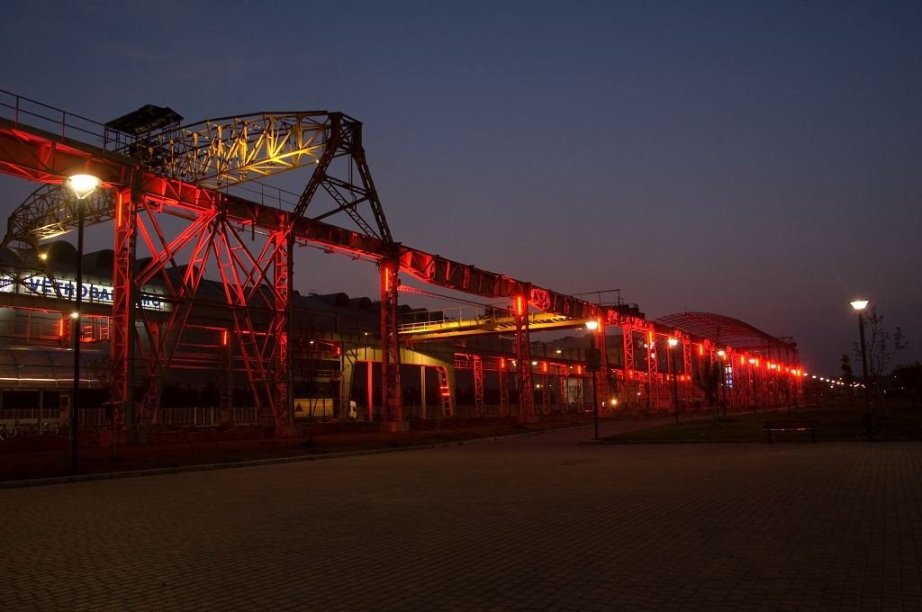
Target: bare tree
x,y
882,344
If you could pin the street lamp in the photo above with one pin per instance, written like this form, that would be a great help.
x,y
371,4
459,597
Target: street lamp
x,y
81,185
592,362
859,306
673,342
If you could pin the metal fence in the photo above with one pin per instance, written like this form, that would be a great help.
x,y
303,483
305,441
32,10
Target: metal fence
x,y
206,416
199,416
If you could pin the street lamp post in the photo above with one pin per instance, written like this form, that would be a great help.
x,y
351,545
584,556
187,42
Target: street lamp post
x,y
859,306
81,185
673,342
592,325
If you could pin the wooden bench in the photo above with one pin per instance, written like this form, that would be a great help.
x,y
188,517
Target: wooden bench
x,y
773,426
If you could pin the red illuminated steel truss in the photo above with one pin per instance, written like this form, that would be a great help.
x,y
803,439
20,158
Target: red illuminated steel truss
x,y
179,172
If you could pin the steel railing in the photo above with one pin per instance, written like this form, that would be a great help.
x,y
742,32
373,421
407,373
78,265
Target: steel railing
x,y
65,125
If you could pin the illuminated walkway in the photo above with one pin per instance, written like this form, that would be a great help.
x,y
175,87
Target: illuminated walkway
x,y
530,523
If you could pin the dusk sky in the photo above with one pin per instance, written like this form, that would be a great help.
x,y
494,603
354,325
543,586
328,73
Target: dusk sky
x,y
761,160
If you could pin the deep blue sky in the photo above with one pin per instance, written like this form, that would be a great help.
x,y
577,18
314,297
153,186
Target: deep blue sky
x,y
758,159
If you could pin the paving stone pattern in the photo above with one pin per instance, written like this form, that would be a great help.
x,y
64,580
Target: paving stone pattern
x,y
531,523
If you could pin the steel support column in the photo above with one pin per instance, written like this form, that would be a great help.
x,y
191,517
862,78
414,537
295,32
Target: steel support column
x,y
445,392
390,348
651,367
503,388
523,358
123,318
604,387
280,330
687,367
478,385
627,341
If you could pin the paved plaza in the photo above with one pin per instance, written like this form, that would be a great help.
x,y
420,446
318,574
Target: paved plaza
x,y
539,522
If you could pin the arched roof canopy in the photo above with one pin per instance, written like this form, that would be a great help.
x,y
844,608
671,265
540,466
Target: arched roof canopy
x,y
727,331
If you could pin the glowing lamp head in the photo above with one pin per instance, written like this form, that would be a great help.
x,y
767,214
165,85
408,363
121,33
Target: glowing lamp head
x,y
859,305
83,185
75,315
592,325
721,353
673,342
43,256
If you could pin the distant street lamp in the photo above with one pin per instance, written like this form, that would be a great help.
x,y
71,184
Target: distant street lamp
x,y
81,185
673,342
859,306
593,325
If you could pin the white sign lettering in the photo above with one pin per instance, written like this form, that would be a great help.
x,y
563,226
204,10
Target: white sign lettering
x,y
93,293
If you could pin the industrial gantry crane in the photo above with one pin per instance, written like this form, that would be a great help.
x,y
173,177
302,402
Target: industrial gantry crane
x,y
177,189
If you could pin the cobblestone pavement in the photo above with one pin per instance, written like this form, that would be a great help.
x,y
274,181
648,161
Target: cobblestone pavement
x,y
533,523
